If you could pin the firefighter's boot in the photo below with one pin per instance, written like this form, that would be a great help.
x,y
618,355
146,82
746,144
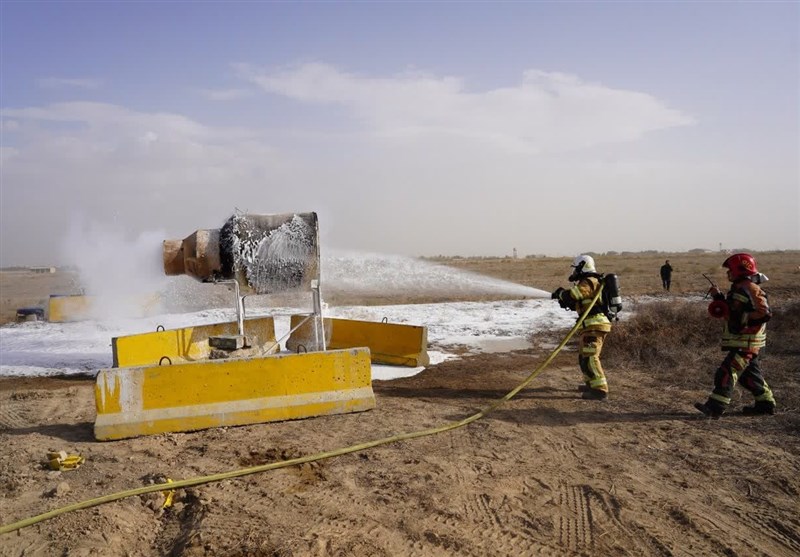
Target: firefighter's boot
x,y
711,408
594,394
760,408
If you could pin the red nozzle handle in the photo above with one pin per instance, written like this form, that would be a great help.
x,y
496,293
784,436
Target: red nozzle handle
x,y
718,309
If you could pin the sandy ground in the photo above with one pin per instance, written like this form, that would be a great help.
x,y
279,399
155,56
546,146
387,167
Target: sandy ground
x,y
544,474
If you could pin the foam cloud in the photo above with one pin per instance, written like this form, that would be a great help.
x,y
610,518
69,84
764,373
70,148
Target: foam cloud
x,y
546,111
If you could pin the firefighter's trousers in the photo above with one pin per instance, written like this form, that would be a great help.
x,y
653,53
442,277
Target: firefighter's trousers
x,y
743,367
589,349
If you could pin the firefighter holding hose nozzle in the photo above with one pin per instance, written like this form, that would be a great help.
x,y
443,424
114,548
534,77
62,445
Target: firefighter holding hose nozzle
x,y
746,311
587,281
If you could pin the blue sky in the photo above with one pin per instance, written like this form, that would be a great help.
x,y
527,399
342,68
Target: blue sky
x,y
416,128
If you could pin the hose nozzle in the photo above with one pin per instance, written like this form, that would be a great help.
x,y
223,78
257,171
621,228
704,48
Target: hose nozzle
x,y
718,309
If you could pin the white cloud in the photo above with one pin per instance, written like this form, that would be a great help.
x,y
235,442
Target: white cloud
x,y
148,138
143,169
9,125
438,169
225,94
7,154
65,82
545,112
110,128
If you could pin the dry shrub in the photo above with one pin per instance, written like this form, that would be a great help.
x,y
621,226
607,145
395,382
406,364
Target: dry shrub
x,y
668,337
781,360
784,331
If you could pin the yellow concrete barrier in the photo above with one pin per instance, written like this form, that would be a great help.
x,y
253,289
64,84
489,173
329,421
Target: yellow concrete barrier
x,y
64,308
190,344
199,395
388,343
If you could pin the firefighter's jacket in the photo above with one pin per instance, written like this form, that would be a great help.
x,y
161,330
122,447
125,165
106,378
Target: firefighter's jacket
x,y
578,299
746,327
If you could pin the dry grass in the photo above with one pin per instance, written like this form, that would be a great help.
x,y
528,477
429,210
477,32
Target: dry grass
x,y
677,336
639,273
680,336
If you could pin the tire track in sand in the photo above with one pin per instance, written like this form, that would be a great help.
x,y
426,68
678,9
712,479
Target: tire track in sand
x,y
508,525
10,418
574,523
784,530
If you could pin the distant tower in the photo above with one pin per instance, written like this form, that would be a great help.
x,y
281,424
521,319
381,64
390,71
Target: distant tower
x,y
720,247
515,253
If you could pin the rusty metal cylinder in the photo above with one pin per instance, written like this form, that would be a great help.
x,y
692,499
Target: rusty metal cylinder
x,y
263,253
197,255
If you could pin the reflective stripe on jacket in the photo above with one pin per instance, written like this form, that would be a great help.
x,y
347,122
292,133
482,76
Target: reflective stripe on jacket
x,y
746,327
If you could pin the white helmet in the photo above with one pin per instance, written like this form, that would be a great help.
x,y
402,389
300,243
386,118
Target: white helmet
x,y
584,264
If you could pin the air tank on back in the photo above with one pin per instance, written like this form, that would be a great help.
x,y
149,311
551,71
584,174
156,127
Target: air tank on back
x,y
265,254
611,294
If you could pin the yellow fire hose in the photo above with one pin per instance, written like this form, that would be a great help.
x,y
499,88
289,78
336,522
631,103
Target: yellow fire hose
x,y
174,485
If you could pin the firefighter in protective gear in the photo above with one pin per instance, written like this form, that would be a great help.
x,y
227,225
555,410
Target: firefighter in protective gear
x,y
743,336
595,327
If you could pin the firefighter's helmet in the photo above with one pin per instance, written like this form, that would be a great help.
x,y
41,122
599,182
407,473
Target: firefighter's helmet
x,y
741,265
583,264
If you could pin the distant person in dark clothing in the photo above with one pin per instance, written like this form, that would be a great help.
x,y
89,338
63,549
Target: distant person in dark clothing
x,y
666,275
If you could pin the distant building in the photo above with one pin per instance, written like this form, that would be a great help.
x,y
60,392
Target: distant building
x,y
43,269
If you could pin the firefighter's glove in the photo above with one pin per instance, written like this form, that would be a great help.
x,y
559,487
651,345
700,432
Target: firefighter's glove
x,y
559,295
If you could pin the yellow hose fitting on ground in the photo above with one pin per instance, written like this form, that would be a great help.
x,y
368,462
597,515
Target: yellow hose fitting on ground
x,y
168,496
62,461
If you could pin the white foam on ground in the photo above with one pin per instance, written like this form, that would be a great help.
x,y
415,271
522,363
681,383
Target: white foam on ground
x,y
40,348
